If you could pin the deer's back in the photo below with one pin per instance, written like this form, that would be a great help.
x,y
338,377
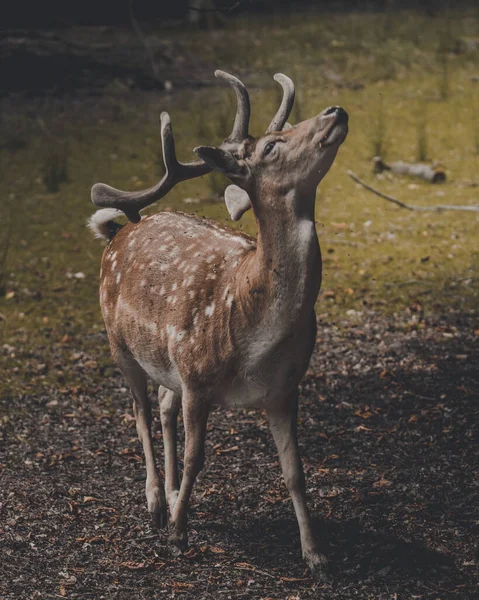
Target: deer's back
x,y
167,292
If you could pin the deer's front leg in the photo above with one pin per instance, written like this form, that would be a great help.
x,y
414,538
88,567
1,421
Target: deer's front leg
x,y
283,424
195,416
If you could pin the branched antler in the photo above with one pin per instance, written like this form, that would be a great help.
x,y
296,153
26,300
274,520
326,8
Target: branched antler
x,y
131,203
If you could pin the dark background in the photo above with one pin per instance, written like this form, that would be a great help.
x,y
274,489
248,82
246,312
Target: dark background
x,y
57,13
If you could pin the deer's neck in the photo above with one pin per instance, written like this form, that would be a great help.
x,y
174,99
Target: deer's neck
x,y
283,276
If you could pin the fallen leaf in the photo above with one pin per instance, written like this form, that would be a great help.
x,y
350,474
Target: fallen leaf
x,y
91,499
381,483
364,415
225,450
132,566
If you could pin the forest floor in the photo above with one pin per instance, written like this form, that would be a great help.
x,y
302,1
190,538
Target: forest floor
x,y
388,419
388,414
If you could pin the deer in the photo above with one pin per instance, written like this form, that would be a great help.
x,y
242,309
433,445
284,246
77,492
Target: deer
x,y
212,315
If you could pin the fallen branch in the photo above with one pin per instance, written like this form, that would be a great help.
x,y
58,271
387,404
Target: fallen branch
x,y
434,174
436,208
343,242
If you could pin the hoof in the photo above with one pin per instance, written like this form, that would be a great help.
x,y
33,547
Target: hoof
x,y
160,518
157,507
319,567
178,542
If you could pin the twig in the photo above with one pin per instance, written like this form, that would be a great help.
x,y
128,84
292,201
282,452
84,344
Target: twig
x,y
227,9
343,242
436,208
44,128
254,570
404,283
141,35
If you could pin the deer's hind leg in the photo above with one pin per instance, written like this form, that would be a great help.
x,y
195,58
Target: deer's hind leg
x,y
137,382
170,404
196,407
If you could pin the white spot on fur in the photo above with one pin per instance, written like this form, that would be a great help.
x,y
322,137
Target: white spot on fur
x,y
118,278
209,310
229,300
174,286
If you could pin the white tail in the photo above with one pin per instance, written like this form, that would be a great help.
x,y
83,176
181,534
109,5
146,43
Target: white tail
x,y
214,316
100,222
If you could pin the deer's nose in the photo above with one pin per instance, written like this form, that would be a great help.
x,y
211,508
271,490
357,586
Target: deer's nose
x,y
341,114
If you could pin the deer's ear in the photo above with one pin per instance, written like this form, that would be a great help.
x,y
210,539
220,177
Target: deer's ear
x,y
237,201
222,161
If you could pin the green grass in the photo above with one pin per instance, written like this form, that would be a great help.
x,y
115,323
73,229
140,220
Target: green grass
x,y
375,255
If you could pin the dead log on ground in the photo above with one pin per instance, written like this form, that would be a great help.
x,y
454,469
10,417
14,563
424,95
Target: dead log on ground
x,y
433,174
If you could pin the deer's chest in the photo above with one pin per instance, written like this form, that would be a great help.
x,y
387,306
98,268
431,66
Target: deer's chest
x,y
271,373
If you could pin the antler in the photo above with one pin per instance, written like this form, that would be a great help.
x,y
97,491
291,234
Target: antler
x,y
132,202
282,115
240,127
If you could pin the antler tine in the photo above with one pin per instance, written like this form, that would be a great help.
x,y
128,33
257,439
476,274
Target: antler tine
x,y
132,202
240,127
287,102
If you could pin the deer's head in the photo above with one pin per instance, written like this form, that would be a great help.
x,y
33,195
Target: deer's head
x,y
281,166
284,165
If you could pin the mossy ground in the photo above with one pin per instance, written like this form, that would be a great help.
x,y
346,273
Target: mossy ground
x,y
418,95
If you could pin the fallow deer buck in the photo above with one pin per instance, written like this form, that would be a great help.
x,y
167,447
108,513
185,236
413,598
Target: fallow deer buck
x,y
212,315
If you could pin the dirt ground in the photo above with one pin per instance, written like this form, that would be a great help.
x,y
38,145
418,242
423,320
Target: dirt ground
x,y
388,421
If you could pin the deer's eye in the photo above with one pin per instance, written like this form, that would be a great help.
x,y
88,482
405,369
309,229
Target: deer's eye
x,y
267,149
